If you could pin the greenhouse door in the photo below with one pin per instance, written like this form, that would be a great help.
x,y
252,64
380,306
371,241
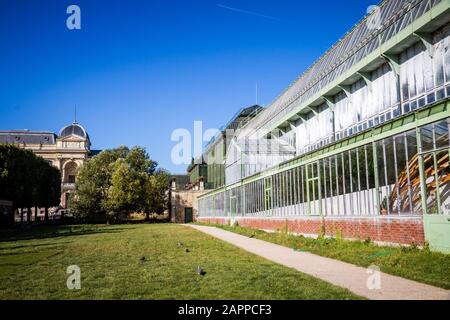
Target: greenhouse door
x,y
313,190
268,194
436,171
188,216
233,204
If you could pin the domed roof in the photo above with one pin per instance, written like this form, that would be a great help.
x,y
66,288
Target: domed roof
x,y
73,129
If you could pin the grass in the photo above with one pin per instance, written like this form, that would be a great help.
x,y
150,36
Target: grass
x,y
33,265
408,262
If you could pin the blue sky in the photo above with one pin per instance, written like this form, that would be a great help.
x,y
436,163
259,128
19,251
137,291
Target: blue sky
x,y
137,70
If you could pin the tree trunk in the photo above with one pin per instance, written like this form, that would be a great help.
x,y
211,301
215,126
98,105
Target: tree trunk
x,y
46,214
29,215
14,212
35,214
21,215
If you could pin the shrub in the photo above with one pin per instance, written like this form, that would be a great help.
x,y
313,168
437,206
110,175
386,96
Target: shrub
x,y
322,232
338,234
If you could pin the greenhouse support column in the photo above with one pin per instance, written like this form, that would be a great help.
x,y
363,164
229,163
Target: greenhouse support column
x,y
423,185
307,190
394,63
436,179
290,192
319,188
377,184
243,206
272,207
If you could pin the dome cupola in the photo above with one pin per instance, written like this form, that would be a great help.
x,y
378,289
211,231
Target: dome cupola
x,y
74,129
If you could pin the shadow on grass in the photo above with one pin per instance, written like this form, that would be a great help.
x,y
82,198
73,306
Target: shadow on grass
x,y
30,246
144,221
44,232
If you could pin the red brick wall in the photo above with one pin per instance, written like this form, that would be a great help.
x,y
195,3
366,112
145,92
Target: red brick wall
x,y
213,220
403,230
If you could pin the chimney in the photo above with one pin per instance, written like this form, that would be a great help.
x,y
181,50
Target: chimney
x,y
173,184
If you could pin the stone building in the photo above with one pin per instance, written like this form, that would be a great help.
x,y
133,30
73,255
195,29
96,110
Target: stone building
x,y
183,203
67,150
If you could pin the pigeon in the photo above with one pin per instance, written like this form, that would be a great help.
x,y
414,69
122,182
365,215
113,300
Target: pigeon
x,y
186,250
200,271
142,258
179,244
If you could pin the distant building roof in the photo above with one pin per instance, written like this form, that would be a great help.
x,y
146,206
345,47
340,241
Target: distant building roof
x,y
27,137
242,115
197,161
93,153
180,180
239,119
41,137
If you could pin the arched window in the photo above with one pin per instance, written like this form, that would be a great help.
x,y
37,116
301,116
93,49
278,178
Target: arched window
x,y
70,171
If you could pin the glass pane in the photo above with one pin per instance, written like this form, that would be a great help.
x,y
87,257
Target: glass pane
x,y
370,162
441,134
354,170
426,137
415,184
333,185
384,190
362,168
314,170
299,185
339,175
403,183
391,174
404,82
284,188
323,178
439,69
278,189
315,191
380,164
390,161
443,166
291,187
346,172
429,169
303,184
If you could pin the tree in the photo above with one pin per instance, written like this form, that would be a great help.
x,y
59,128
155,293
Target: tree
x,y
117,182
138,160
127,191
49,190
156,193
93,183
28,180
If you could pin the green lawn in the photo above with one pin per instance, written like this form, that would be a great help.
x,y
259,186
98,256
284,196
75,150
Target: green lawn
x,y
33,266
408,262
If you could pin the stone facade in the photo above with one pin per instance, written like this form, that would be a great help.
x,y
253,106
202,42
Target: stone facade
x,y
67,151
181,202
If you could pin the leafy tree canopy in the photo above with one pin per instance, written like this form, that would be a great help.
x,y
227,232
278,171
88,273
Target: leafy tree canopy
x,y
28,180
117,182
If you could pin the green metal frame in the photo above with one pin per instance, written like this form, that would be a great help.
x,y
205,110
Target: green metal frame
x,y
410,121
